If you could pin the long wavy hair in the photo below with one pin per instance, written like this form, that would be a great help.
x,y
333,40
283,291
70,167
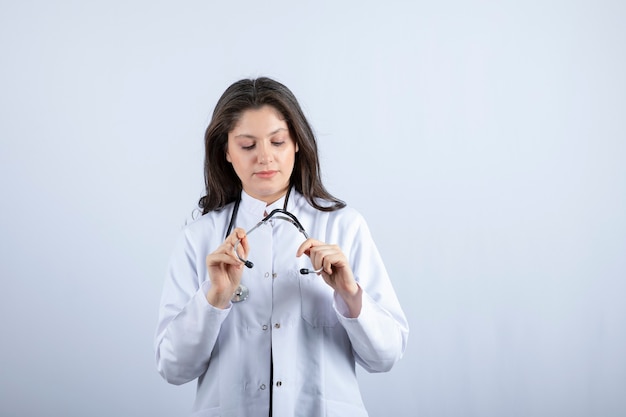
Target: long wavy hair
x,y
223,186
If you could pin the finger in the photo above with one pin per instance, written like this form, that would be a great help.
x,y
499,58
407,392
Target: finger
x,y
238,233
332,260
218,259
236,236
306,246
241,236
236,243
326,257
317,255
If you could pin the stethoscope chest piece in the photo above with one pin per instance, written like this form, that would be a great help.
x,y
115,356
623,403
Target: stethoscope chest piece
x,y
241,294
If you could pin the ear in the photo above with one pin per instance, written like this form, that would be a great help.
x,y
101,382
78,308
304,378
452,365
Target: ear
x,y
228,156
297,148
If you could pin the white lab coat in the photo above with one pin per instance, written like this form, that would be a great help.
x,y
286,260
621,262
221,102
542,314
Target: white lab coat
x,y
290,321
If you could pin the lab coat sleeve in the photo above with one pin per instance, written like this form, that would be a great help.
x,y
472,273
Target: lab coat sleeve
x,y
379,334
188,325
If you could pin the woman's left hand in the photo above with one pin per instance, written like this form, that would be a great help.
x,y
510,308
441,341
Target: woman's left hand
x,y
336,271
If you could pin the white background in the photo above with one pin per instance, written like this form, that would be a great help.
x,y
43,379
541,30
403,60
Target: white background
x,y
484,141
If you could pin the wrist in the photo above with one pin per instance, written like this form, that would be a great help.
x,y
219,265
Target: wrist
x,y
219,298
353,298
350,291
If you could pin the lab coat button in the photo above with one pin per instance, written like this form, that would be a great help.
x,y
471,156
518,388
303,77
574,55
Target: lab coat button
x,y
267,274
262,386
274,275
279,383
265,327
277,326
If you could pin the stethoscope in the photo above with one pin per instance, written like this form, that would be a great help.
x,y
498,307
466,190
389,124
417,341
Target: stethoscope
x,y
242,292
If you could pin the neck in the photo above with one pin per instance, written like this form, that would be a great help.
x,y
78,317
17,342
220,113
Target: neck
x,y
271,199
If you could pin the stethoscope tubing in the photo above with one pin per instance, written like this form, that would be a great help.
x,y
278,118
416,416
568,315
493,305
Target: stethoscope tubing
x,y
277,213
290,218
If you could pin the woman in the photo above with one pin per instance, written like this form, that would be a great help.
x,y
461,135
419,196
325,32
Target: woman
x,y
281,336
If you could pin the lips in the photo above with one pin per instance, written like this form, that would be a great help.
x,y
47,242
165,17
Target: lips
x,y
266,174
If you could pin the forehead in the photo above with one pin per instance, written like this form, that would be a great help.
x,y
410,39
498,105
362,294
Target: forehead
x,y
262,120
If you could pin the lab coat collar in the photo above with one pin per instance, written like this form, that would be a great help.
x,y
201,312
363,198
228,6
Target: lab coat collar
x,y
258,208
252,206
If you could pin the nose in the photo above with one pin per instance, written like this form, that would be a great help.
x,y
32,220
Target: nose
x,y
265,154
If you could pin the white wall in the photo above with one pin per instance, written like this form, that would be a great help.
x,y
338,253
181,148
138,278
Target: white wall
x,y
485,142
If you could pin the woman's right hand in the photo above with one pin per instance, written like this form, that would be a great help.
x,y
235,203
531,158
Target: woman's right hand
x,y
225,268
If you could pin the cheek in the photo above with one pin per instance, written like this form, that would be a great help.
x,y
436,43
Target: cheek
x,y
243,162
238,162
289,154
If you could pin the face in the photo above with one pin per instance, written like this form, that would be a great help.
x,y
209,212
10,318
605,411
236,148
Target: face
x,y
262,153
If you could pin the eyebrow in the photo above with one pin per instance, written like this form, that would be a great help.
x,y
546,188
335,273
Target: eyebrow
x,y
247,136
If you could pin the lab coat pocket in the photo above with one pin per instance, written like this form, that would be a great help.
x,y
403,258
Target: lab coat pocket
x,y
317,301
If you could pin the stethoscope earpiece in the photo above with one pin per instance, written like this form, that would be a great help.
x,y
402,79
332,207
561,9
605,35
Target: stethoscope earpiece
x,y
305,271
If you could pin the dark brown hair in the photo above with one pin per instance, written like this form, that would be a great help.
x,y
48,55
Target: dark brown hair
x,y
222,184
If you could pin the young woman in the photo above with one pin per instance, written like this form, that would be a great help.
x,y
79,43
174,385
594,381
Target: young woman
x,y
269,320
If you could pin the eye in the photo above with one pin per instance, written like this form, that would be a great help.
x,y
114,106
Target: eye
x,y
278,143
248,148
